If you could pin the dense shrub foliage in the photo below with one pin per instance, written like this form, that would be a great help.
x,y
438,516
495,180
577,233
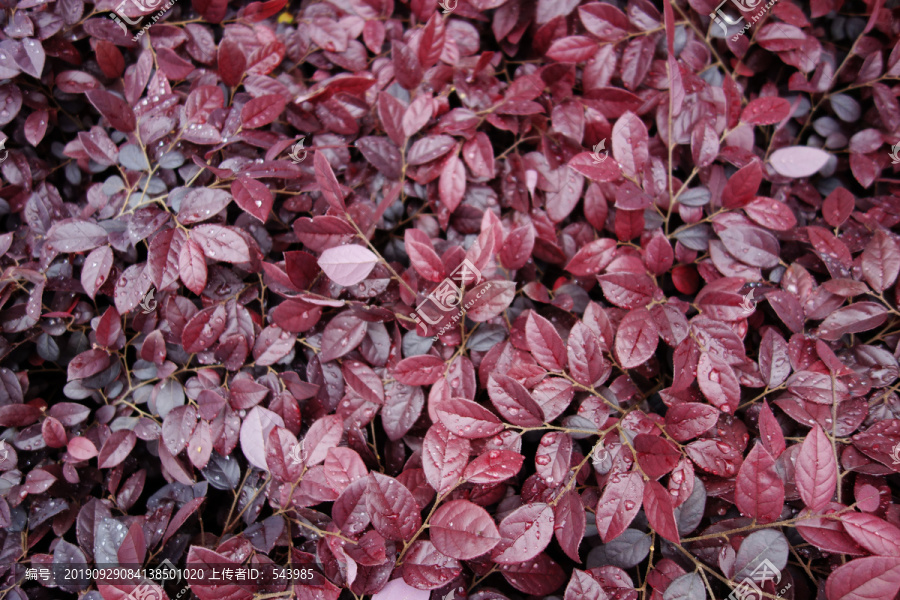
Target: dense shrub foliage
x,y
487,299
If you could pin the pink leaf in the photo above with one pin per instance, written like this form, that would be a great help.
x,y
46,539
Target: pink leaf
x,y
347,265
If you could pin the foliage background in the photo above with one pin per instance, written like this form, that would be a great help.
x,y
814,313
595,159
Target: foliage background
x,y
686,362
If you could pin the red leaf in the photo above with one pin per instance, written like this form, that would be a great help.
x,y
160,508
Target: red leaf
x,y
178,427
392,508
875,535
636,339
75,235
605,21
718,458
81,448
604,171
468,419
192,266
816,470
766,110
114,109
592,258
718,382
96,269
861,316
524,533
253,197
116,448
771,213
572,49
203,329
425,568
865,579
881,261
660,512
479,155
742,186
221,243
513,401
231,58
444,457
280,449
759,491
488,299
569,524
452,183
342,335
328,183
627,290
657,456
463,530
422,255
493,466
429,148
419,370
620,502
630,144
417,114
402,407
690,419
838,207
541,576
770,431
553,457
516,250
343,466
391,112
407,68
582,585
585,352
254,434
545,343
323,435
